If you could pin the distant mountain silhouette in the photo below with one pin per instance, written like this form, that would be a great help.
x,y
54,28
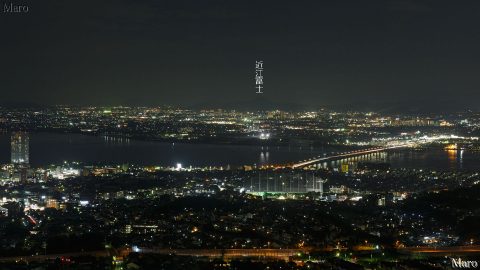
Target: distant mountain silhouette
x,y
261,103
20,104
401,107
406,107
256,104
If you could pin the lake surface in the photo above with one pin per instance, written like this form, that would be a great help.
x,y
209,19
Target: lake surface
x,y
433,158
52,148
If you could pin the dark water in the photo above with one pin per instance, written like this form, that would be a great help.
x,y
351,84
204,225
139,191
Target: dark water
x,y
49,148
433,158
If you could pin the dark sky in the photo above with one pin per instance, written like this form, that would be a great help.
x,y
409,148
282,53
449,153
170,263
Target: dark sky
x,y
199,52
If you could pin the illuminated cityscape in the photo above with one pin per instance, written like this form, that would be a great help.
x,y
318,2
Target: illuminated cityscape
x,y
239,135
351,196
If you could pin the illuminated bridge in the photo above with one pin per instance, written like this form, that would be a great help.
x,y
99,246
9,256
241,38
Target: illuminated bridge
x,y
361,152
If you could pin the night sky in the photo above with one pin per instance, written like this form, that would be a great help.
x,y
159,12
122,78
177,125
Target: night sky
x,y
385,54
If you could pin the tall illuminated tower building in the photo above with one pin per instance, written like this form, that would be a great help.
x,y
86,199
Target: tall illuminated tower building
x,y
20,148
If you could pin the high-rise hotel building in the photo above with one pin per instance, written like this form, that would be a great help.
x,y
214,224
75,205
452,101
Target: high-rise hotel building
x,y
19,147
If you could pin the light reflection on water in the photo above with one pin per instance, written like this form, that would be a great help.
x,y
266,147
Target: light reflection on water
x,y
434,158
48,148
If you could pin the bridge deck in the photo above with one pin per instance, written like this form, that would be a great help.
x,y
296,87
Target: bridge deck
x,y
346,155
